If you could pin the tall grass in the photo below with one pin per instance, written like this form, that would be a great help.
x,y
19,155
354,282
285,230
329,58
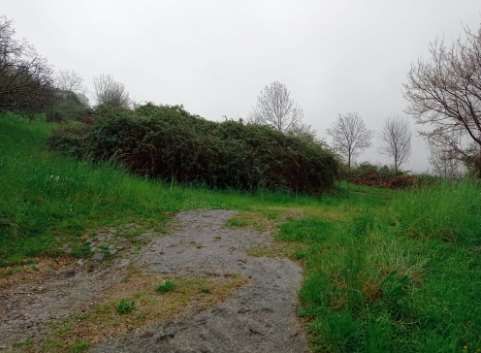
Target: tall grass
x,y
446,211
403,277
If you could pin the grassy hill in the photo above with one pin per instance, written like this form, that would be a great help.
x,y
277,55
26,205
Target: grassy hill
x,y
48,199
384,271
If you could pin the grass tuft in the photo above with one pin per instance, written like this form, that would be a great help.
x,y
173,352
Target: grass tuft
x,y
80,347
165,287
125,306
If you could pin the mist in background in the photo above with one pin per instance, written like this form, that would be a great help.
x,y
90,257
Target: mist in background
x,y
215,56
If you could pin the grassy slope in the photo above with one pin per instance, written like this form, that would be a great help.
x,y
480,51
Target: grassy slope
x,y
385,272
48,199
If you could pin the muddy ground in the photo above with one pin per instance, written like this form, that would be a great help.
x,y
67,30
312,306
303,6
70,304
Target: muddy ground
x,y
258,317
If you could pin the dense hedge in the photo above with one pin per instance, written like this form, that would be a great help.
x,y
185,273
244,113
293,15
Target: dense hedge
x,y
169,143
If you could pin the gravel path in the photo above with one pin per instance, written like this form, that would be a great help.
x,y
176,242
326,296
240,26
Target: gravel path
x,y
259,317
26,310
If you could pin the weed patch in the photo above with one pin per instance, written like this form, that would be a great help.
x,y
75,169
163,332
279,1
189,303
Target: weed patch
x,y
125,306
34,269
372,287
253,220
165,287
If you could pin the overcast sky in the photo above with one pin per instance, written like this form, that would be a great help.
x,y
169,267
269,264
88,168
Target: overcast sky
x,y
215,56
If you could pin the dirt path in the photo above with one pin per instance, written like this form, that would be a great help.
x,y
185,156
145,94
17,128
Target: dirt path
x,y
259,317
26,310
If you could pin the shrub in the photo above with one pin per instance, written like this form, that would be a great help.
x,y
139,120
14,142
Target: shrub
x,y
169,143
71,139
372,175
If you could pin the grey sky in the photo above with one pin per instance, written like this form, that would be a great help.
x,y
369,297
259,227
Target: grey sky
x,y
215,56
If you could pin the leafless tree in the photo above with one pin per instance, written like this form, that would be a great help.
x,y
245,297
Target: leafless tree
x,y
444,163
350,136
305,132
68,80
445,95
276,107
25,78
396,138
110,92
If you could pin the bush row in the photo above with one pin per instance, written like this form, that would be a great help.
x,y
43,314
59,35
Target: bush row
x,y
169,143
372,175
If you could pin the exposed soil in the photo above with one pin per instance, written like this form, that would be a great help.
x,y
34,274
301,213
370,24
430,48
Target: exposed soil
x,y
258,317
27,309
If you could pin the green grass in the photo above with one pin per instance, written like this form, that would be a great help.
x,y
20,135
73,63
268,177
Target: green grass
x,y
48,200
384,271
124,306
399,278
80,347
165,287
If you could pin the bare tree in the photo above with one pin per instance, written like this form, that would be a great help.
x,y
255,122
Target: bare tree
x,y
305,132
445,95
275,107
110,92
68,80
444,163
25,78
396,138
350,136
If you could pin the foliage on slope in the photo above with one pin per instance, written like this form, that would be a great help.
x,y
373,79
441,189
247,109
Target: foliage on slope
x,y
167,142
